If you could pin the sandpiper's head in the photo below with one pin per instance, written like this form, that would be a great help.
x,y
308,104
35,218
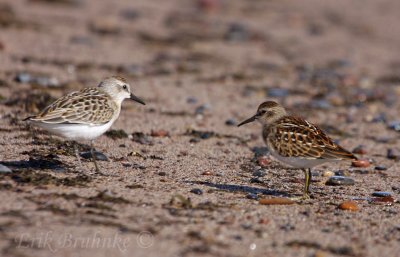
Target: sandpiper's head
x,y
267,113
118,89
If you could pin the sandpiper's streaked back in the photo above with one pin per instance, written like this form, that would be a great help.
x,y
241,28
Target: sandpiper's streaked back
x,y
295,141
86,114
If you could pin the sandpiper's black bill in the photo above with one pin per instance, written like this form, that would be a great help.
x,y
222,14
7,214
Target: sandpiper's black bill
x,y
247,121
137,99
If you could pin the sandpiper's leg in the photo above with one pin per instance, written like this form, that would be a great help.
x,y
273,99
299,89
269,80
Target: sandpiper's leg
x,y
94,156
78,156
307,181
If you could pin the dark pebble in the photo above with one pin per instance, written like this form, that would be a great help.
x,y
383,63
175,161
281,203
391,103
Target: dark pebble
x,y
395,125
380,167
342,173
340,181
137,166
381,194
99,156
4,169
23,77
141,138
237,32
116,134
162,173
391,154
259,173
260,151
196,191
252,196
277,92
202,108
381,117
230,122
255,180
194,140
191,100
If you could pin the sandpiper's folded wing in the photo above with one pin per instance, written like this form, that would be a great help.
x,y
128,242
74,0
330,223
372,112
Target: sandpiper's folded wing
x,y
296,137
88,106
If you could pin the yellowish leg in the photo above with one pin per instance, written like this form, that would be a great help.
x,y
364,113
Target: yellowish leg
x,y
307,182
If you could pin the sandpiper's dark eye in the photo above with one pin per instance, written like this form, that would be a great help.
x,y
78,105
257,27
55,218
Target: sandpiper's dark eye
x,y
263,112
124,87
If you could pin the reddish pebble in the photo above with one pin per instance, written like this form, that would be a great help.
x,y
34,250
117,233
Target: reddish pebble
x,y
263,161
159,133
207,173
276,200
388,200
362,163
208,5
359,150
263,221
348,206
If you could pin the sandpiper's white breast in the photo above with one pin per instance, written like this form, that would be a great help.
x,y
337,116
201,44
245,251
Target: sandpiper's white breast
x,y
75,131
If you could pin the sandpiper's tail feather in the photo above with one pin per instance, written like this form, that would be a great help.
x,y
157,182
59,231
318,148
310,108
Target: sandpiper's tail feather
x,y
338,153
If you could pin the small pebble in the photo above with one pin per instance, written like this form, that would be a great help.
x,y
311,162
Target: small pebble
x,y
391,154
339,181
380,167
191,100
207,173
342,173
276,200
99,156
259,173
395,125
237,32
328,173
362,163
381,194
263,161
162,173
348,206
230,122
252,196
255,180
359,150
387,200
202,108
4,169
196,191
159,133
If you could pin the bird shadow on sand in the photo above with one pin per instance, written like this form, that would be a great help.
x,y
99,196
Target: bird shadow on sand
x,y
240,188
37,163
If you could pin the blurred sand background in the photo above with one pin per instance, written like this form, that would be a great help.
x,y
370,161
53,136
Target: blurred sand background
x,y
181,178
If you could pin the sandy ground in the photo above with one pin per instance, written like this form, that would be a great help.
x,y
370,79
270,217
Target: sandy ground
x,y
201,66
